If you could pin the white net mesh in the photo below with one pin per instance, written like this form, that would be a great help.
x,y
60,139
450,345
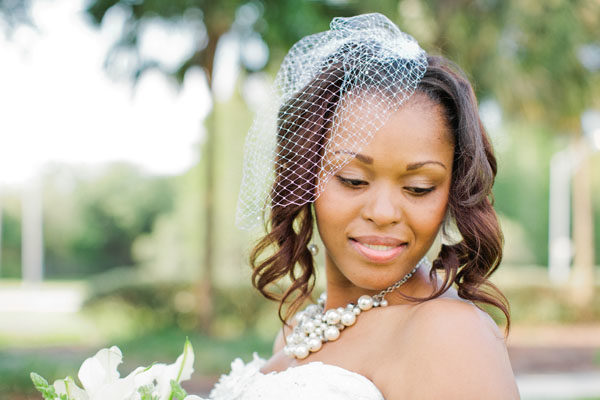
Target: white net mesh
x,y
359,72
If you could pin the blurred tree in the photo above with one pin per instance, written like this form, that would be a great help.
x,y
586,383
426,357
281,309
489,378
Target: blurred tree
x,y
14,13
283,23
540,61
11,235
92,218
524,54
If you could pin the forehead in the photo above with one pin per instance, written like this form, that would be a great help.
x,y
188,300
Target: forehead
x,y
363,119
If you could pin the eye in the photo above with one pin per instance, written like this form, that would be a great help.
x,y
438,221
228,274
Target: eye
x,y
351,183
419,191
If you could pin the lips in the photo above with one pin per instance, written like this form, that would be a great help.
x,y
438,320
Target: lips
x,y
378,249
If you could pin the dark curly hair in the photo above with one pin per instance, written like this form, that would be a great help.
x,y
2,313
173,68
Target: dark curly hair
x,y
283,252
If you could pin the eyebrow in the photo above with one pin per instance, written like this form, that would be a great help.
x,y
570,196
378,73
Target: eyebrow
x,y
417,165
369,160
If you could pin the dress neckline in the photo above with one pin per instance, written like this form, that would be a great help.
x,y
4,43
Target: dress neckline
x,y
313,364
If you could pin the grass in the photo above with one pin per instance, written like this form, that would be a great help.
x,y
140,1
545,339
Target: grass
x,y
212,356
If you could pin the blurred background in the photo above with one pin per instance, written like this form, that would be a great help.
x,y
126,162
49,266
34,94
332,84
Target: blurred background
x,y
121,134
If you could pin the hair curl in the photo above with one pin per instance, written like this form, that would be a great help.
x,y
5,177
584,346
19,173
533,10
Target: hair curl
x,y
468,264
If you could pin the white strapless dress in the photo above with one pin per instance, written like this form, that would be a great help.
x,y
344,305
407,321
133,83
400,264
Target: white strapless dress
x,y
314,380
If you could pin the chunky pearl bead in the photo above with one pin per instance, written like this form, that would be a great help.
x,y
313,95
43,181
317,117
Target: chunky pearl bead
x,y
308,326
365,302
314,344
332,317
316,326
296,338
332,333
312,309
348,318
301,351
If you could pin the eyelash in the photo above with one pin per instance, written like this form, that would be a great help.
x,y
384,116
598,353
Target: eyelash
x,y
351,183
357,184
420,191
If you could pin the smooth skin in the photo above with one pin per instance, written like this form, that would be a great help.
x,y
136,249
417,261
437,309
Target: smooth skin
x,y
394,193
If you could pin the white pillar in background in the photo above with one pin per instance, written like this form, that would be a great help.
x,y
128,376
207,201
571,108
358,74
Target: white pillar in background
x,y
32,238
560,247
1,226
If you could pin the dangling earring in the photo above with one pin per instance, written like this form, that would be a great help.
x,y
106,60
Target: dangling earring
x,y
313,248
450,235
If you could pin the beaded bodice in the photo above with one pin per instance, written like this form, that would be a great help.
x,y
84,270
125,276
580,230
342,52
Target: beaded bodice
x,y
314,380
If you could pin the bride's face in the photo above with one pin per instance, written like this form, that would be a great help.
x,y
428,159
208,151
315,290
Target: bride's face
x,y
380,213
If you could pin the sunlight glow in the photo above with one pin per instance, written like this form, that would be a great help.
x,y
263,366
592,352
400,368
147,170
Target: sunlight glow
x,y
59,104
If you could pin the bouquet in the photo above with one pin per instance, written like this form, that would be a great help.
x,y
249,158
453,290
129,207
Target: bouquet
x,y
100,379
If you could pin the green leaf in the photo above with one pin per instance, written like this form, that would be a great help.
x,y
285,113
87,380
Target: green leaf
x,y
177,392
44,387
147,393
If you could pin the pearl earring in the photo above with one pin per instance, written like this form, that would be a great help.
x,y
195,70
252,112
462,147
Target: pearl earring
x,y
313,248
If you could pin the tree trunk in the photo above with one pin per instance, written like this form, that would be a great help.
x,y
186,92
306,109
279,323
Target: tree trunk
x,y
204,288
582,282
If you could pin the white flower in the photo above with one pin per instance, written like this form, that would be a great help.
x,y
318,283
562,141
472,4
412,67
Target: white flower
x,y
101,379
67,386
161,374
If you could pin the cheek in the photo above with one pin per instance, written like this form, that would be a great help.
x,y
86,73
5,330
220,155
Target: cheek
x,y
327,216
333,212
429,215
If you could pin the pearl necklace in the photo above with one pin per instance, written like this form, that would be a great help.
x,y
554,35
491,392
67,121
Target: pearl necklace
x,y
316,326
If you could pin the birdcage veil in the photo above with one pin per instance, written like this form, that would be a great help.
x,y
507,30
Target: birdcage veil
x,y
358,72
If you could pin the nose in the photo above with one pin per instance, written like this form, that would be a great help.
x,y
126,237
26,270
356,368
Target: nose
x,y
382,206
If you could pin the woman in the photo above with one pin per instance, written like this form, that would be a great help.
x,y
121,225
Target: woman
x,y
381,146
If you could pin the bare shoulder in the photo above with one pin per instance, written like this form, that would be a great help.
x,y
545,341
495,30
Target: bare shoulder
x,y
455,317
279,342
453,350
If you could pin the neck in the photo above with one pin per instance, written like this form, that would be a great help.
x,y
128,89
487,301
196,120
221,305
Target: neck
x,y
342,292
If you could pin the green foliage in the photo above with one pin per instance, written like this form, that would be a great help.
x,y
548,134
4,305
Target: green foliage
x,y
93,217
11,236
45,388
522,186
16,365
172,248
595,175
177,392
162,304
538,304
285,21
213,356
521,53
147,393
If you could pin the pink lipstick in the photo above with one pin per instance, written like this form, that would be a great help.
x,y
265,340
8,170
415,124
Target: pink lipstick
x,y
378,249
